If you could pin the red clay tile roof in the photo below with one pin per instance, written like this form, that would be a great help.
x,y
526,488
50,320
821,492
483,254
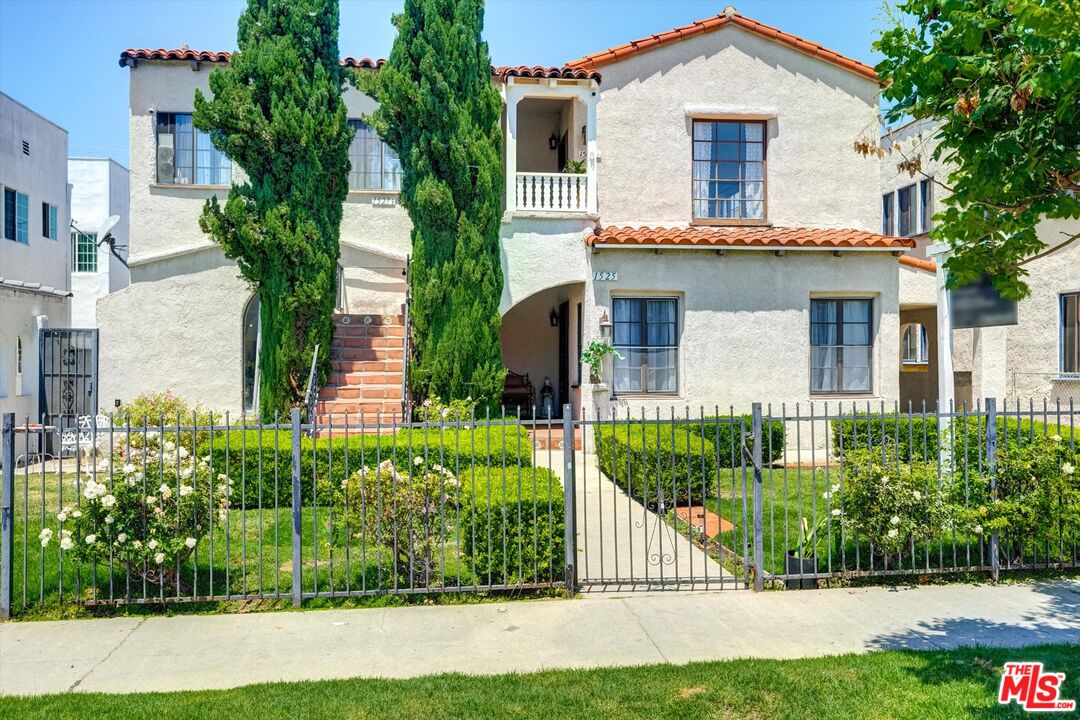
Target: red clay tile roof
x,y
927,265
752,237
715,23
501,72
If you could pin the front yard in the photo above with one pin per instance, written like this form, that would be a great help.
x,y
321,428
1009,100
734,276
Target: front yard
x,y
886,684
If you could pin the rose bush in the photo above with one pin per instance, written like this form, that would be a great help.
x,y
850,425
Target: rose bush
x,y
892,505
148,515
406,510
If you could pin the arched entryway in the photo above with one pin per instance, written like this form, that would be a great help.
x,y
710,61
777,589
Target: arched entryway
x,y
541,345
252,336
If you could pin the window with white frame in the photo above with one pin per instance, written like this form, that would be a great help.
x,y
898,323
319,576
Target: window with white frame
x,y
647,339
16,216
915,345
729,171
905,211
83,252
1070,333
48,221
841,345
186,156
926,205
373,164
887,214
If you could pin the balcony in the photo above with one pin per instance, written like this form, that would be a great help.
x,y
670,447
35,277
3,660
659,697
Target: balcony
x,y
551,147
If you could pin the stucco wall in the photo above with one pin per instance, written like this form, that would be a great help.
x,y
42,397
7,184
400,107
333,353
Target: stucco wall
x,y
99,189
744,329
813,178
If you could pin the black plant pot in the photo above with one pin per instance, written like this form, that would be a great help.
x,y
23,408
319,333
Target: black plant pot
x,y
796,566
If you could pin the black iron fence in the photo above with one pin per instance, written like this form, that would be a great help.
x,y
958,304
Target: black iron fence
x,y
177,509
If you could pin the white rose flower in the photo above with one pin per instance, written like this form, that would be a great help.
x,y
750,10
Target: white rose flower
x,y
895,520
978,529
66,543
62,516
91,539
163,488
1055,438
137,544
893,532
186,490
418,461
65,533
152,544
159,558
128,468
189,543
108,500
1067,468
108,519
223,477
150,499
884,479
45,536
76,513
170,445
121,538
837,512
183,451
918,495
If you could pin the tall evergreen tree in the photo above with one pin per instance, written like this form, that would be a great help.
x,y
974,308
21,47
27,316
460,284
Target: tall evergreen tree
x,y
278,113
439,111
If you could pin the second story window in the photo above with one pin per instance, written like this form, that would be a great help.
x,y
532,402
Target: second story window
x,y
887,214
83,252
729,171
905,211
925,203
48,221
374,164
16,216
185,156
1070,333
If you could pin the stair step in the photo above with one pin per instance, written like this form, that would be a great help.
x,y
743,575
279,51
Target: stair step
x,y
362,379
366,341
368,353
369,319
350,367
378,392
391,331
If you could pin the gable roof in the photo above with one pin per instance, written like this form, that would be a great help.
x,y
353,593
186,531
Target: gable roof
x,y
710,24
764,237
501,72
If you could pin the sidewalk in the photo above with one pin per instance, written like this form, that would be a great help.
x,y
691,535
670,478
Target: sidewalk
x,y
221,651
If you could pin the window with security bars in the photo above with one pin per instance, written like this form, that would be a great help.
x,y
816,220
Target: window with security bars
x,y
373,164
647,339
729,171
186,156
1070,333
841,345
83,252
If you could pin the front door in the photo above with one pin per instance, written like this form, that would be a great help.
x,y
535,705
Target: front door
x,y
563,147
564,357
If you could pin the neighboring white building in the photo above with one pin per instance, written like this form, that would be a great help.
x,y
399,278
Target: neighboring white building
x,y
34,264
1037,358
99,189
723,234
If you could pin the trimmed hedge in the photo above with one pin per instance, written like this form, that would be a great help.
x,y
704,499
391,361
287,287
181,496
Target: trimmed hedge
x,y
645,458
724,435
917,438
523,510
324,461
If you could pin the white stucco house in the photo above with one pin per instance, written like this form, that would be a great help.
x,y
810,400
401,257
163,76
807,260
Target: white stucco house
x,y
1036,359
722,234
99,190
34,263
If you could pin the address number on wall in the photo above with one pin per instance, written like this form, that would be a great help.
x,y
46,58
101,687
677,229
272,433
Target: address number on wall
x,y
605,275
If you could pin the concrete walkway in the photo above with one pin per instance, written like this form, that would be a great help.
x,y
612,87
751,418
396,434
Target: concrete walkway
x,y
221,651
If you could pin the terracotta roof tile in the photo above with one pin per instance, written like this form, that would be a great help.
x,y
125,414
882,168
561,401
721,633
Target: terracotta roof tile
x,y
927,265
502,72
752,237
716,22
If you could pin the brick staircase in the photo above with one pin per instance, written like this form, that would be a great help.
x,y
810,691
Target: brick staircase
x,y
368,359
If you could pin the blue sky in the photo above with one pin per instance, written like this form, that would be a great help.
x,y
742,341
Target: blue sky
x,y
59,57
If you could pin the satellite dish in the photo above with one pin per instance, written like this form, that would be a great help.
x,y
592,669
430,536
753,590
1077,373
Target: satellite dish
x,y
107,226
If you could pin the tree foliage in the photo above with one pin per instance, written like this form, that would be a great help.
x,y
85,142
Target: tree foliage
x,y
278,113
1003,76
439,111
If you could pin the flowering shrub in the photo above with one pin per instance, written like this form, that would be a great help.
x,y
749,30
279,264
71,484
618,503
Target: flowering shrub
x,y
150,517
891,506
1037,497
163,409
434,410
406,510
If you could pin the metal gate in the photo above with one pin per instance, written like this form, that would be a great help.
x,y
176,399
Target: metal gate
x,y
662,502
69,368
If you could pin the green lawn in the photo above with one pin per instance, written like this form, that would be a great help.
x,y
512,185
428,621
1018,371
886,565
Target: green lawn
x,y
250,555
887,684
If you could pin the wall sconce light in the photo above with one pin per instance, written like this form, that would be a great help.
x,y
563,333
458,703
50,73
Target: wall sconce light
x,y
553,142
553,317
605,326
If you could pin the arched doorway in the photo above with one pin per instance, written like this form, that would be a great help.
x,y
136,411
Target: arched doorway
x,y
252,337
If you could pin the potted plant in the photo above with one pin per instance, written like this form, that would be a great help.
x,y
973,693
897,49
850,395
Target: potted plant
x,y
803,559
594,355
575,167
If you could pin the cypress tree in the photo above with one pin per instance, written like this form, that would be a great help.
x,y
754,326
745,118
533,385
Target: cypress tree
x,y
278,113
439,111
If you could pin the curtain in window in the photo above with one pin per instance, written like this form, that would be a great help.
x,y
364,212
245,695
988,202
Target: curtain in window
x,y
840,346
645,331
729,170
373,164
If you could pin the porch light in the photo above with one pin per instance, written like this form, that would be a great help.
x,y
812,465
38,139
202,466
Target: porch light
x,y
605,326
553,318
553,142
